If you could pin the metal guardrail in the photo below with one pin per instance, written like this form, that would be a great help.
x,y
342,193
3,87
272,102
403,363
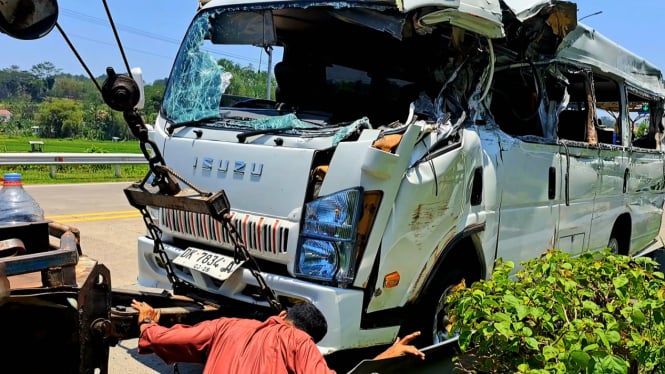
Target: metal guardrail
x,y
55,159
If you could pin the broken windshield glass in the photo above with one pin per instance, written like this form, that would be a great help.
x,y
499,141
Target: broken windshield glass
x,y
199,83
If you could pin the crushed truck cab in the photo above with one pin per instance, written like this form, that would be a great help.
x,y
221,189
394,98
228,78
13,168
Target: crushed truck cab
x,y
401,147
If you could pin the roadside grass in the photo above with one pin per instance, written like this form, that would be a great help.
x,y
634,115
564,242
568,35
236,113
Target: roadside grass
x,y
21,144
41,174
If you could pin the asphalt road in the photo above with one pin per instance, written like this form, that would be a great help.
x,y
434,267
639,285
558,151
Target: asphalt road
x,y
109,229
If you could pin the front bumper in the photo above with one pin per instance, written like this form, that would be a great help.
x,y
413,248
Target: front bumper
x,y
342,308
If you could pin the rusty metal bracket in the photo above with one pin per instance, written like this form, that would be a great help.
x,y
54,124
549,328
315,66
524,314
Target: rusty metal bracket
x,y
59,264
215,205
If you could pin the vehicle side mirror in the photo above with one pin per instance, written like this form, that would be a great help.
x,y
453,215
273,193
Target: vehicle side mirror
x,y
28,19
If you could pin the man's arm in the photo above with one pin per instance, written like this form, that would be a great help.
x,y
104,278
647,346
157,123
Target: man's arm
x,y
180,343
401,347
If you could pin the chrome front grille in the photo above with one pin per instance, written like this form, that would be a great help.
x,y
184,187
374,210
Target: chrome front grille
x,y
258,233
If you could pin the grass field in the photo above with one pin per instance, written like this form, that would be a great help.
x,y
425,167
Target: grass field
x,y
41,174
21,144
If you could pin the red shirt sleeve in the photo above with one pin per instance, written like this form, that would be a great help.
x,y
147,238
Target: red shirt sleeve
x,y
180,343
310,360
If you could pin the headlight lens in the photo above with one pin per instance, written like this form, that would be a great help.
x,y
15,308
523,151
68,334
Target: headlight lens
x,y
327,248
153,212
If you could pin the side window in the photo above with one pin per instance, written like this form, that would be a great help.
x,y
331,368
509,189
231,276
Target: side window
x,y
645,116
608,111
572,124
515,101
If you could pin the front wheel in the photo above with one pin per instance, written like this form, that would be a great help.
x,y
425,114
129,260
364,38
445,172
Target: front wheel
x,y
613,245
430,316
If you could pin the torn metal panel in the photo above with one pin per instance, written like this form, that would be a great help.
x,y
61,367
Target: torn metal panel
x,y
479,16
587,46
525,9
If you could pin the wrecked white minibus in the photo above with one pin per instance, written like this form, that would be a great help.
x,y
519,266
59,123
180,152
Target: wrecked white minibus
x,y
405,146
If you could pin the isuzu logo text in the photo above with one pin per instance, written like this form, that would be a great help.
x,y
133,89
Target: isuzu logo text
x,y
238,167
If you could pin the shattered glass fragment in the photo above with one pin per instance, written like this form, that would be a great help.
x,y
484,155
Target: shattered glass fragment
x,y
201,81
359,124
280,122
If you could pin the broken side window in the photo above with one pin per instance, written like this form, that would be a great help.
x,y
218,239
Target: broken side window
x,y
516,101
578,121
608,111
645,115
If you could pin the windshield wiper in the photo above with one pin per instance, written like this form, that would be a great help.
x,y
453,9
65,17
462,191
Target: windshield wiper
x,y
243,136
196,123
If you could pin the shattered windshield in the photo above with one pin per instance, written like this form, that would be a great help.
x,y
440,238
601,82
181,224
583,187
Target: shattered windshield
x,y
220,50
297,66
198,81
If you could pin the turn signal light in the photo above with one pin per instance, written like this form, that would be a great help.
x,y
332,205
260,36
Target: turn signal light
x,y
391,280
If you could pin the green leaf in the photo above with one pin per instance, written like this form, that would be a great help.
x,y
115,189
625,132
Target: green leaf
x,y
591,306
580,358
501,317
613,365
638,317
591,347
522,311
620,281
601,335
613,337
504,329
531,343
511,299
550,352
526,331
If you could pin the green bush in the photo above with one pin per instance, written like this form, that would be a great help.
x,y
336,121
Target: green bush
x,y
594,313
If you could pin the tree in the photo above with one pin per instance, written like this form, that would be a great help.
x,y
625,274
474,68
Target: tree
x,y
73,87
246,81
153,99
46,71
15,82
60,118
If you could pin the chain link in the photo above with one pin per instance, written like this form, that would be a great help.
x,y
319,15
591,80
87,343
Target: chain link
x,y
240,253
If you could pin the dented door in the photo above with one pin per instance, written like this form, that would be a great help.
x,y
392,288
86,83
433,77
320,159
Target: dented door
x,y
530,189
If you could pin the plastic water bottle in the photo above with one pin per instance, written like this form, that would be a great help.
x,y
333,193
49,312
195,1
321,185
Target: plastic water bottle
x,y
16,205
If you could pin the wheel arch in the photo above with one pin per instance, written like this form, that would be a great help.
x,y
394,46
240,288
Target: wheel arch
x,y
463,250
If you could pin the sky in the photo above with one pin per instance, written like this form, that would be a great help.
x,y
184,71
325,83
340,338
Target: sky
x,y
151,32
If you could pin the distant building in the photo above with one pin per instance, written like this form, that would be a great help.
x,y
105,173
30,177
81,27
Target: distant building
x,y
5,115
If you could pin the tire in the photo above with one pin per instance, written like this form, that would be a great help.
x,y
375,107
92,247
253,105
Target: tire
x,y
613,244
430,316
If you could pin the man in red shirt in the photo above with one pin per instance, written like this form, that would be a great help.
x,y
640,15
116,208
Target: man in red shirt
x,y
285,343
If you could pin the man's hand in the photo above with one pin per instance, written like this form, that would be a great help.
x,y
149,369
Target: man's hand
x,y
146,311
401,347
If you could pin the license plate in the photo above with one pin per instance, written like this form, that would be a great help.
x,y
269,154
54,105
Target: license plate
x,y
213,264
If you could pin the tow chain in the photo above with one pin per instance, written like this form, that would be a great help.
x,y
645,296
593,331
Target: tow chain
x,y
240,253
165,179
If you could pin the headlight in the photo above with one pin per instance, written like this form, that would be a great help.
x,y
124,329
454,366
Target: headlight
x,y
153,212
327,248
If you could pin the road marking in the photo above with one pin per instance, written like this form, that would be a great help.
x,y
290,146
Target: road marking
x,y
96,216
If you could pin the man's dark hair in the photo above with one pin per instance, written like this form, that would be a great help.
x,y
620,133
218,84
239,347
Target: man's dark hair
x,y
308,318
